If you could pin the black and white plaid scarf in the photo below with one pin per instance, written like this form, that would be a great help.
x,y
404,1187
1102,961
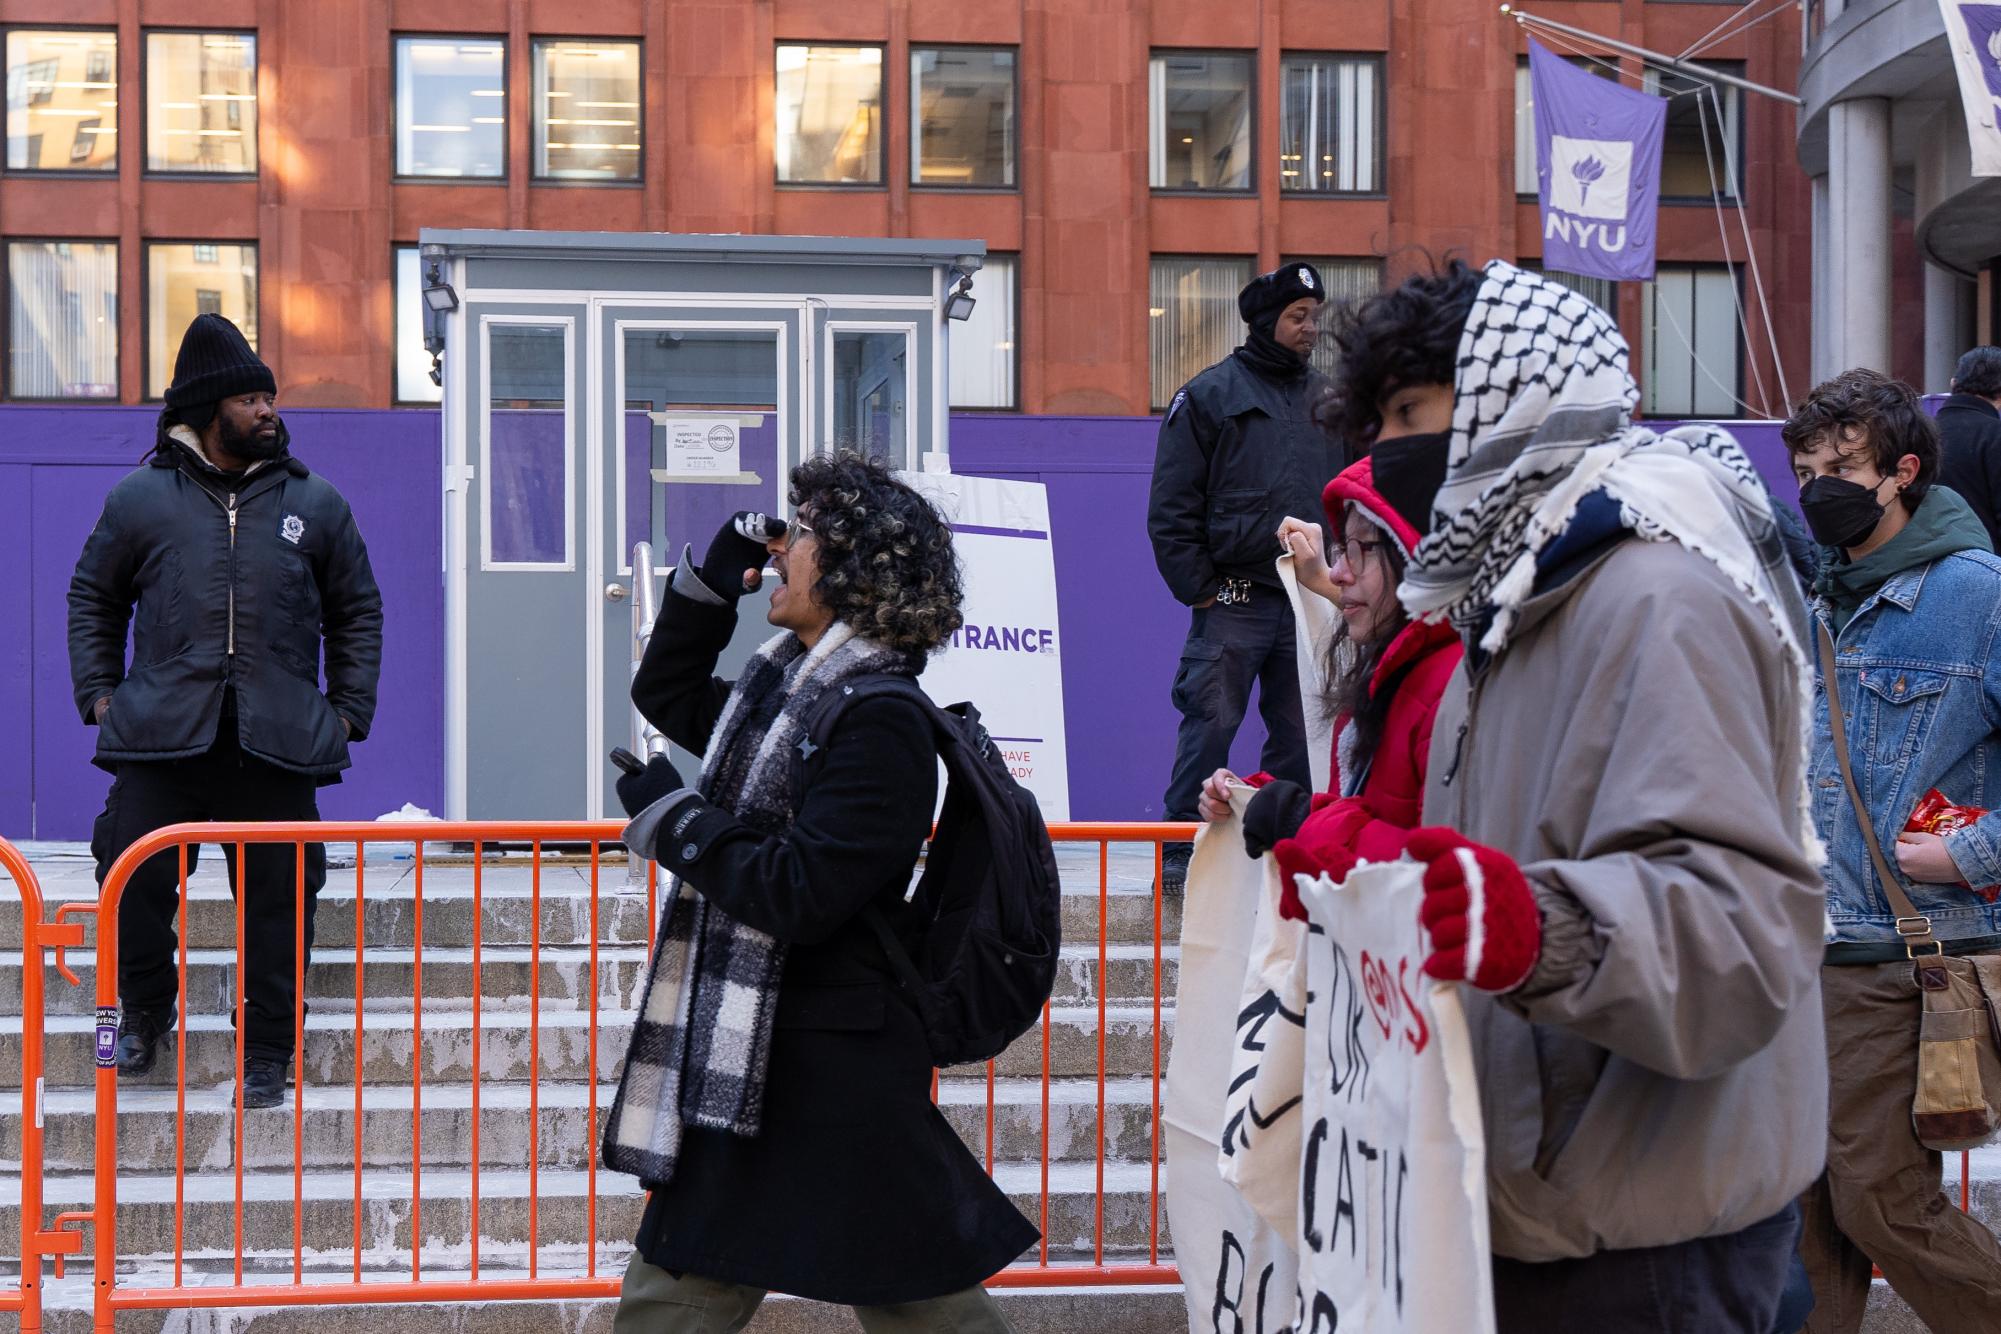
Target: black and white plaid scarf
x,y
702,1039
1543,417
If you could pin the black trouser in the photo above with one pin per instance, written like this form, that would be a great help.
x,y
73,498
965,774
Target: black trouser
x,y
1228,647
224,784
1716,1285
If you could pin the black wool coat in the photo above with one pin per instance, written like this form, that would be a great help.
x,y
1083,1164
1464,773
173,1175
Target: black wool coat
x,y
855,1190
240,582
1969,434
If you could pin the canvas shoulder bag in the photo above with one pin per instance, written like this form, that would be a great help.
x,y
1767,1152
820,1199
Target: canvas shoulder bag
x,y
1958,1100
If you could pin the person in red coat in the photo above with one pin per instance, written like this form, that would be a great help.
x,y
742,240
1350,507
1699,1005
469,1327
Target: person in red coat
x,y
1393,671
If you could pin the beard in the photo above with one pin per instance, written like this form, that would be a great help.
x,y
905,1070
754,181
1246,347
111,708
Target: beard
x,y
253,444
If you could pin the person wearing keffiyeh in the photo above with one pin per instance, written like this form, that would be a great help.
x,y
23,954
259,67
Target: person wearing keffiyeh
x,y
1618,842
776,1097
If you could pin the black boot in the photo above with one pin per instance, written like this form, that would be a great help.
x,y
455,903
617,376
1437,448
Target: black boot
x,y
1174,866
139,1034
263,1082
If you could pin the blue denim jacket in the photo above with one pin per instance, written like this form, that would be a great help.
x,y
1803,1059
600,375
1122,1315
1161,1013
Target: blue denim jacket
x,y
1920,671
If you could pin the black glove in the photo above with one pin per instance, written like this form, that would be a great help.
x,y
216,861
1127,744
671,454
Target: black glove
x,y
1275,813
736,550
638,791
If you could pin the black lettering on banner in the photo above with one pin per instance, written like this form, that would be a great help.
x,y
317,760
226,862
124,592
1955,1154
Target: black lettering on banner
x,y
1226,1299
1370,1175
1310,1185
1403,1175
1344,1199
1264,1289
1325,1318
1351,1066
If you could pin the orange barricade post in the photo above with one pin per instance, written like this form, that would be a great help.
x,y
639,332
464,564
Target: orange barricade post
x,y
249,1192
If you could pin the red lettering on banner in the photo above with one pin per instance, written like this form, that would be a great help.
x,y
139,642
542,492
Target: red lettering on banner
x,y
1390,1001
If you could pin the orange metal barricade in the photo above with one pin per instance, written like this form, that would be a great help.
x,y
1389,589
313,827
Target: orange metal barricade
x,y
465,1280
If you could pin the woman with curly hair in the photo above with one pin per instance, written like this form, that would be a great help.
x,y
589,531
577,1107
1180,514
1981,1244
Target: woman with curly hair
x,y
776,1096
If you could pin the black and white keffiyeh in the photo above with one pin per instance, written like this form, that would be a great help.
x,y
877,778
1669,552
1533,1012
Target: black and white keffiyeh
x,y
701,1042
1542,418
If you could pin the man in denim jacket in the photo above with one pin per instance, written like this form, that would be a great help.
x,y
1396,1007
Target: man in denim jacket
x,y
1911,593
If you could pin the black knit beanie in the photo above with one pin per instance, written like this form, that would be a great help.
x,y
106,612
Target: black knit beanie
x,y
215,362
1266,296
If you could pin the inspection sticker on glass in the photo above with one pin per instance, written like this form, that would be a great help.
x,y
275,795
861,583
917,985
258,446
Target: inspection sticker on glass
x,y
704,446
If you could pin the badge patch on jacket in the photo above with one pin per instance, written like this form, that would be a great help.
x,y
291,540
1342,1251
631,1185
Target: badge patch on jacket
x,y
292,529
1180,397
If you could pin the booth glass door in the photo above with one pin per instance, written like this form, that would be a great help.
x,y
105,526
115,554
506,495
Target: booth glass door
x,y
700,416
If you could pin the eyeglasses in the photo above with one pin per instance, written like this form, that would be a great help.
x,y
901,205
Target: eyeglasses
x,y
793,529
1356,552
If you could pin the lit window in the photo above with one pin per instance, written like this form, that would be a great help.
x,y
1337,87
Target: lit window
x,y
1200,111
1703,142
201,102
1525,148
1192,319
413,361
1346,281
183,281
587,121
62,101
62,319
451,106
962,132
1330,124
830,115
1691,355
982,347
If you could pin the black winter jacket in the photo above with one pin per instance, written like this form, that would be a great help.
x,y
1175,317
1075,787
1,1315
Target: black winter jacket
x,y
1969,433
855,1190
223,589
1238,453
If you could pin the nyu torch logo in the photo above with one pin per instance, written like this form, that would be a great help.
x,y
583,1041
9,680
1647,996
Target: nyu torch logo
x,y
1590,185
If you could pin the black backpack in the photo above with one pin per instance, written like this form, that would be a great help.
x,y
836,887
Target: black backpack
x,y
990,898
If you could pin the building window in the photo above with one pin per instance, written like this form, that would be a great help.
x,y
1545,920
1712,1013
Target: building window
x,y
1192,320
1525,145
1703,143
1200,111
962,106
183,281
201,102
1347,281
587,121
62,319
830,115
981,352
1600,292
451,107
62,100
1691,355
1330,124
413,360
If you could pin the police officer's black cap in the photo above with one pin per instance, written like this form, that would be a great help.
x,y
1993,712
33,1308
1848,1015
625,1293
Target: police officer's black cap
x,y
1268,294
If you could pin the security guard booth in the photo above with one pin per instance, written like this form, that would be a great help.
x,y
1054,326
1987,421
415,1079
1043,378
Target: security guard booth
x,y
604,390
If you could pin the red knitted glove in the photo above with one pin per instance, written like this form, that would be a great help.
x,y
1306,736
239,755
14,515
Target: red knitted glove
x,y
1482,916
1297,858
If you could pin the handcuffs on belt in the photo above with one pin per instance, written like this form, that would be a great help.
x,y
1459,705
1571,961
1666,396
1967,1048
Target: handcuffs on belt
x,y
1233,591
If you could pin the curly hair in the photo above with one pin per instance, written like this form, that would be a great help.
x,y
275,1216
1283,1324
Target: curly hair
x,y
1870,416
1406,335
887,564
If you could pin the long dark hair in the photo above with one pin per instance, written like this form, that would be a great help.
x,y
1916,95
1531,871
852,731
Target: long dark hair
x,y
1351,663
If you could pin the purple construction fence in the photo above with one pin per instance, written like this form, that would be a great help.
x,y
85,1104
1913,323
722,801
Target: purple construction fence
x,y
1120,631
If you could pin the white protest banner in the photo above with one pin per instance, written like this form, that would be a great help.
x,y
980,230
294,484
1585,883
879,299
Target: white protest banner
x,y
1393,1179
1238,1273
1007,657
1314,621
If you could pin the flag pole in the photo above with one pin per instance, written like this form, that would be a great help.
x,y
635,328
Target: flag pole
x,y
1688,67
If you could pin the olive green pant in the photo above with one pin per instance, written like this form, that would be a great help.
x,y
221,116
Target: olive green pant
x,y
654,1301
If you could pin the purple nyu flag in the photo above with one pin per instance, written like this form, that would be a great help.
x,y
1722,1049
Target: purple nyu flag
x,y
1973,30
1598,169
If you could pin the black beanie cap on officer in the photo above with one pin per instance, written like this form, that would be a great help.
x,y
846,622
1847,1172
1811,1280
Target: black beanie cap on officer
x,y
1266,296
215,362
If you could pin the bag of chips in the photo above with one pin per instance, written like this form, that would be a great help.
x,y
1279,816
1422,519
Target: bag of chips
x,y
1936,814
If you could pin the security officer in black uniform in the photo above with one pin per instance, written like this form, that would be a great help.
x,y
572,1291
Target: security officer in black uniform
x,y
237,570
1239,452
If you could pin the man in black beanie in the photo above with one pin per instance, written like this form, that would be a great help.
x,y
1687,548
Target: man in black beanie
x,y
237,568
1239,452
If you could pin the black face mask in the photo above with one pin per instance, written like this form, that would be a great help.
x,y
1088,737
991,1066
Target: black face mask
x,y
1840,513
1408,472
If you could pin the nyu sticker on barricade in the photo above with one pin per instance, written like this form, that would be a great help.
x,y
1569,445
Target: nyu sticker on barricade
x,y
1393,1174
107,1036
1238,1272
1973,30
1598,169
1008,656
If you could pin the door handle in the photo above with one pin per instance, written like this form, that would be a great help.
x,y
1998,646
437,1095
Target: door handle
x,y
614,592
